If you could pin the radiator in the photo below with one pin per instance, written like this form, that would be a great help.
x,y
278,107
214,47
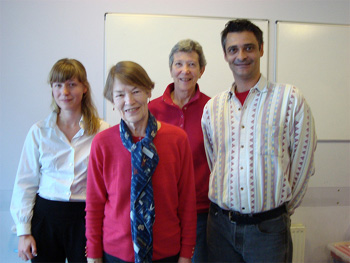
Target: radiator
x,y
298,237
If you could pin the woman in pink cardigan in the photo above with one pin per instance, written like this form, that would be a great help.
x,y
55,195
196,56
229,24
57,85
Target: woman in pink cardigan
x,y
141,204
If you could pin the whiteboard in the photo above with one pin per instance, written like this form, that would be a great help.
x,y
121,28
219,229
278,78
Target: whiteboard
x,y
148,39
316,59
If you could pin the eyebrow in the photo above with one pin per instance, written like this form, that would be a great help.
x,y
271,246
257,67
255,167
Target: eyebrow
x,y
244,45
122,91
185,61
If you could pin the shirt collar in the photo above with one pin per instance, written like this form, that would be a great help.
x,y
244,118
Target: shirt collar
x,y
260,86
171,87
81,122
51,121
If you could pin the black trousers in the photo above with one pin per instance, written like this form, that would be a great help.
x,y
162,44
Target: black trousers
x,y
59,231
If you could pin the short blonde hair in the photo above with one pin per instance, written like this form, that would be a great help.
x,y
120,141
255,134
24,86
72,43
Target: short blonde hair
x,y
128,73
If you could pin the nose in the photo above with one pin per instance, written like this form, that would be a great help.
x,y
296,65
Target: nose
x,y
129,98
241,54
186,68
65,89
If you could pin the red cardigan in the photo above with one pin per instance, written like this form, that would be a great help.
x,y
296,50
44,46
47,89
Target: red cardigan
x,y
189,119
108,196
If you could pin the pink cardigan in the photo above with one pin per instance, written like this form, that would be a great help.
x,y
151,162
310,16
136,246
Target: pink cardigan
x,y
108,196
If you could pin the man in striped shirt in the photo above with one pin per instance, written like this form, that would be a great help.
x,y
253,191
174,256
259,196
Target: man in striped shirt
x,y
260,141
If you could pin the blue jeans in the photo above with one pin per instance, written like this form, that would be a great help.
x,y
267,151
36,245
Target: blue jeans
x,y
201,250
268,241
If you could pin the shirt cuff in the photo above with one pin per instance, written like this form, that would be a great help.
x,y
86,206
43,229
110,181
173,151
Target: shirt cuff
x,y
23,229
186,251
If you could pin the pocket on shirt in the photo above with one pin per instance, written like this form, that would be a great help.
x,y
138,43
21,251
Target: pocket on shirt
x,y
269,140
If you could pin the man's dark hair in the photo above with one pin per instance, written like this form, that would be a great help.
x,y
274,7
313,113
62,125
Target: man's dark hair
x,y
240,25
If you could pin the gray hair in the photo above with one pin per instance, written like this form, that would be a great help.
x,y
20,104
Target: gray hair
x,y
188,45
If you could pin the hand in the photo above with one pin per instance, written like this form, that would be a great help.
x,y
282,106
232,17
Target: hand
x,y
27,247
94,260
184,260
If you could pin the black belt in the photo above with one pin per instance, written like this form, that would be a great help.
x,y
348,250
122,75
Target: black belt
x,y
249,219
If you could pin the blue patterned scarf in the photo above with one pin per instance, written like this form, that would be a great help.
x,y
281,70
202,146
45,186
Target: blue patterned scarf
x,y
144,160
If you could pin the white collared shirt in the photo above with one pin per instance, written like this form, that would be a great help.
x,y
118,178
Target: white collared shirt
x,y
51,166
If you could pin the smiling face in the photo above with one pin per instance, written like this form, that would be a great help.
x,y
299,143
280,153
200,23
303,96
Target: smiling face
x,y
243,55
185,71
69,94
131,102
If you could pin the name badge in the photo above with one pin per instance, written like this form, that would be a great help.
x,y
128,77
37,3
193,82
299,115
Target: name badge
x,y
147,152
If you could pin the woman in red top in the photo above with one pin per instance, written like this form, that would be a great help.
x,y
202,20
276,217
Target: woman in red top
x,y
141,203
182,105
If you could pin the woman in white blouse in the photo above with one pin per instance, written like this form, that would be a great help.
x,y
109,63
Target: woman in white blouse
x,y
48,201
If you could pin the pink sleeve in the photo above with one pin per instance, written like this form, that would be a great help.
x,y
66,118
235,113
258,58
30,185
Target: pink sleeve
x,y
95,202
187,202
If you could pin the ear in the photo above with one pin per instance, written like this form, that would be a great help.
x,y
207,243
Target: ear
x,y
201,72
225,57
262,50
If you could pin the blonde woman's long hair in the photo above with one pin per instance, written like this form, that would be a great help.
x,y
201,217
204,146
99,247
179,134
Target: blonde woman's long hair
x,y
66,69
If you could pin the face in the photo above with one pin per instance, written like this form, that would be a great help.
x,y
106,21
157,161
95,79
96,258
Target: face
x,y
68,95
243,55
131,102
186,71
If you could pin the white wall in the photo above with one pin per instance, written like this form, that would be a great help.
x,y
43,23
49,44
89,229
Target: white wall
x,y
34,34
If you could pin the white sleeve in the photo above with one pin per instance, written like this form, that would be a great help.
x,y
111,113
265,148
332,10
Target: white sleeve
x,y
303,145
26,183
206,129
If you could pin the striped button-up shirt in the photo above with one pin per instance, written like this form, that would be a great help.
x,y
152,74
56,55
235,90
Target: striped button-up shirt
x,y
261,153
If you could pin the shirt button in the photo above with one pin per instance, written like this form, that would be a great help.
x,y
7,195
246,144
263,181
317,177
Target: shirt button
x,y
243,208
242,146
242,126
241,167
242,188
182,116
